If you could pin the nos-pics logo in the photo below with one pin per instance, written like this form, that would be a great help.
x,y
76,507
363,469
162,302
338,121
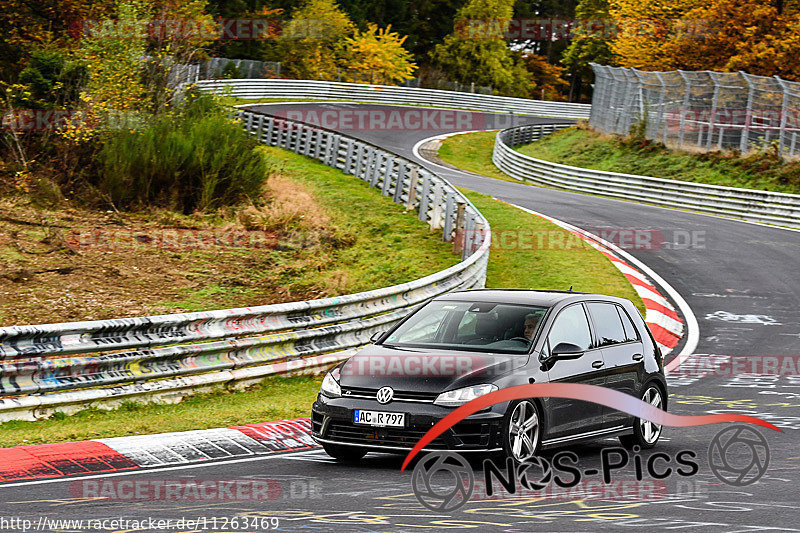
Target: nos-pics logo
x,y
445,481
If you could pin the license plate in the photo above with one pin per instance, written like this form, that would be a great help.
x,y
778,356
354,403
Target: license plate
x,y
379,418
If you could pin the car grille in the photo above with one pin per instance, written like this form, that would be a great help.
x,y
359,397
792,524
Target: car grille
x,y
467,435
406,396
399,437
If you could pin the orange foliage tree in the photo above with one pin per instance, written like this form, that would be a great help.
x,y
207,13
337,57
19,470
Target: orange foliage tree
x,y
376,56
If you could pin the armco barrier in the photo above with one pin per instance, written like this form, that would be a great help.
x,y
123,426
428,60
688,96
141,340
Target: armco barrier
x,y
746,204
72,365
385,94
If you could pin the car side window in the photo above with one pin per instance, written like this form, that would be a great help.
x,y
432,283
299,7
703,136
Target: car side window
x,y
571,326
608,323
630,331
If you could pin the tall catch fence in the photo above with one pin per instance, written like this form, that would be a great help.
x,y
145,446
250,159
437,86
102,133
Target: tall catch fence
x,y
701,111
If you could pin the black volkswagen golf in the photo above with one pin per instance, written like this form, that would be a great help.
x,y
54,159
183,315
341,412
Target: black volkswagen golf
x,y
462,345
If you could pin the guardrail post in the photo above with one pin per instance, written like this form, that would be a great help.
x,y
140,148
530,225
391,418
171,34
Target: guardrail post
x,y
424,201
449,208
387,176
297,135
376,169
370,162
260,128
402,170
308,148
436,216
348,158
361,156
270,129
412,188
318,139
479,236
334,162
469,237
459,240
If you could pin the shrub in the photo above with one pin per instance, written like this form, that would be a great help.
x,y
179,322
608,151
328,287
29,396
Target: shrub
x,y
195,158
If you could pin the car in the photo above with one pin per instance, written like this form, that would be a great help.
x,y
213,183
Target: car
x,y
461,345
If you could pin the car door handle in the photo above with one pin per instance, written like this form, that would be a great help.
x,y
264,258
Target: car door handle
x,y
638,357
597,364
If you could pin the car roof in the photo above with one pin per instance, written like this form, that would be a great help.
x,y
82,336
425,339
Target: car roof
x,y
525,296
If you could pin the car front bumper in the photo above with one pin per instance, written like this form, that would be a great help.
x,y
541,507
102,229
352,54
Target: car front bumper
x,y
332,423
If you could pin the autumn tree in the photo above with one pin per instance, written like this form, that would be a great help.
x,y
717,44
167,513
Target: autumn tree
x,y
549,80
644,29
732,35
113,56
27,26
309,40
591,44
376,56
484,57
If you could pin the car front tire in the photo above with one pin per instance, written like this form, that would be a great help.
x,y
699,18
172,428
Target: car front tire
x,y
522,432
645,433
344,453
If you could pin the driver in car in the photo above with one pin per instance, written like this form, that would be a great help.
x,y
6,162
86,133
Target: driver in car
x,y
531,323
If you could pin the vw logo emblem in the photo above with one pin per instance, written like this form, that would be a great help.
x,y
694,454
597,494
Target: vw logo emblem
x,y
385,395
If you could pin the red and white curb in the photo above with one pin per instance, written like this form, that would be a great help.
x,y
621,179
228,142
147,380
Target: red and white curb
x,y
118,454
661,317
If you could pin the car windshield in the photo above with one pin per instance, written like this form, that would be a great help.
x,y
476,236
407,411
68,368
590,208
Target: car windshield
x,y
473,326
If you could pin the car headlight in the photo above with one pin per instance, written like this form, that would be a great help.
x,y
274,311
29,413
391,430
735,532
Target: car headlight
x,y
330,385
457,397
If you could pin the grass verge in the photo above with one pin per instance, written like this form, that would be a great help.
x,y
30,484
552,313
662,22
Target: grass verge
x,y
273,399
469,152
531,252
582,147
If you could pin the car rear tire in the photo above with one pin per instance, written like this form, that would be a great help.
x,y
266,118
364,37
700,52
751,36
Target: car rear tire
x,y
344,453
522,432
645,433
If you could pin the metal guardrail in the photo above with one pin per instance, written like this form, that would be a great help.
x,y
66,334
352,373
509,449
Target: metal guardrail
x,y
329,90
746,204
71,365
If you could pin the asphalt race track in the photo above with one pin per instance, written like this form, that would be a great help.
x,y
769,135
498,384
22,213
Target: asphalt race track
x,y
738,278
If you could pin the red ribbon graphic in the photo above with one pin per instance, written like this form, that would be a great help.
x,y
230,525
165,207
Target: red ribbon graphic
x,y
590,393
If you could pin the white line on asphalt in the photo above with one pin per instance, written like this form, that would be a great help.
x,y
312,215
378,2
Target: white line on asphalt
x,y
148,470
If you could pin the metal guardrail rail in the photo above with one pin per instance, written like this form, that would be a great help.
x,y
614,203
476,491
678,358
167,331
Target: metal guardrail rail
x,y
746,204
328,90
68,366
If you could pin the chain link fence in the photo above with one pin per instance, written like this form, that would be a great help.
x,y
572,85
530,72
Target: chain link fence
x,y
700,111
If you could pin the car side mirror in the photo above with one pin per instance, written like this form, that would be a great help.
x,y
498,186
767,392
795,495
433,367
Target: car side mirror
x,y
375,336
565,350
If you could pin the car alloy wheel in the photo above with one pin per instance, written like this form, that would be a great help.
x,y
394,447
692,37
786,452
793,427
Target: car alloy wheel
x,y
523,431
646,433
